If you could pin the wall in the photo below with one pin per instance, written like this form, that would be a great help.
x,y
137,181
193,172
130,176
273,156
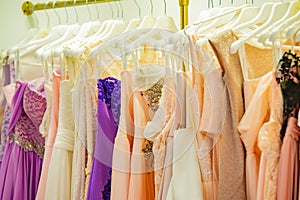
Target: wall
x,y
14,25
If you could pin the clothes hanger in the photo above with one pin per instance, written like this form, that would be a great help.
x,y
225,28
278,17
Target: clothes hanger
x,y
54,33
85,30
135,22
213,18
205,27
245,15
162,23
45,51
117,28
278,11
293,8
261,17
165,22
149,20
281,27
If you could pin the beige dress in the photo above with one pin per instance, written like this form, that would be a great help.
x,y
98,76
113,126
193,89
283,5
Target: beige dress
x,y
255,62
232,177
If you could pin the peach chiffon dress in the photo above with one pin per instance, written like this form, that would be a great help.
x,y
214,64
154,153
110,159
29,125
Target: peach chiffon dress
x,y
53,125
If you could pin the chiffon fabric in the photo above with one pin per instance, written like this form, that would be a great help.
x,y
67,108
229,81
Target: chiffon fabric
x,y
22,160
109,100
255,63
85,117
50,131
288,169
132,173
186,177
60,167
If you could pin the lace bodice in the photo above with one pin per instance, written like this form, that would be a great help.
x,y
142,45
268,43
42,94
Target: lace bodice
x,y
26,131
109,91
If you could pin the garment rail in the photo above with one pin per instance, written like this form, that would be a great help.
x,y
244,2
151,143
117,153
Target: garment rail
x,y
28,7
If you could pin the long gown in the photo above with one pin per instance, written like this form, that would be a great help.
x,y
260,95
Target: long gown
x,y
132,173
109,92
58,184
50,134
22,161
232,177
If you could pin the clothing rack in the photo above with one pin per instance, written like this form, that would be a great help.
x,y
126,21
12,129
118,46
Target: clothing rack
x,y
28,7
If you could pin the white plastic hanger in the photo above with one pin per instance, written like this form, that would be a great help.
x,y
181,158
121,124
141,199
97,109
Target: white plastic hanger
x,y
293,8
205,27
213,18
278,11
85,30
45,51
281,27
148,21
261,17
117,28
245,15
135,22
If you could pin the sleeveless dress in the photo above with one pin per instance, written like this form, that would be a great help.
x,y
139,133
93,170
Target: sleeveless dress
x,y
132,171
85,117
22,161
255,63
232,177
186,175
109,103
58,184
50,131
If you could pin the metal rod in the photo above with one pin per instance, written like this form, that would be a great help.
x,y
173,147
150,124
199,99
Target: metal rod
x,y
28,7
184,13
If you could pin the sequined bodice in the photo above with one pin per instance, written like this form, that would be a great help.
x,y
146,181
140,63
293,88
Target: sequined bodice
x,y
26,131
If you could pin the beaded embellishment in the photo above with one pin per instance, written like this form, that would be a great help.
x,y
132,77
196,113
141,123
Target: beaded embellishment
x,y
153,96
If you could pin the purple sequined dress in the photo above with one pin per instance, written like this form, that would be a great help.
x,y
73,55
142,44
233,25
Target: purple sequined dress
x,y
22,160
109,94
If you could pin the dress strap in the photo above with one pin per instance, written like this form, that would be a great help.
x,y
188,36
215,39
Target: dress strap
x,y
244,67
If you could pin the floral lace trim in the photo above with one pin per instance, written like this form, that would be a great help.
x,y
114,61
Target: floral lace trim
x,y
109,91
28,146
107,188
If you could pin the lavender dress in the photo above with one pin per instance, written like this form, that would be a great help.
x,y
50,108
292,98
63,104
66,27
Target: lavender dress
x,y
22,160
109,94
7,73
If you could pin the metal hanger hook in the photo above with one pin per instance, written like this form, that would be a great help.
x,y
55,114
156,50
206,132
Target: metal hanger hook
x,y
139,8
55,11
98,13
87,6
151,7
165,7
74,5
67,14
48,18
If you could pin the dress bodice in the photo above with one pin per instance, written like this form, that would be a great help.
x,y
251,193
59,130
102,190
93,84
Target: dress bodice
x,y
31,110
65,133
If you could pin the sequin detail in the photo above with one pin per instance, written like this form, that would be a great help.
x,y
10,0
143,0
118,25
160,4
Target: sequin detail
x,y
149,156
153,94
26,131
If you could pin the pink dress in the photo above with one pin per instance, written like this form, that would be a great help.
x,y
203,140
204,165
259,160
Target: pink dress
x,y
132,170
50,137
288,169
